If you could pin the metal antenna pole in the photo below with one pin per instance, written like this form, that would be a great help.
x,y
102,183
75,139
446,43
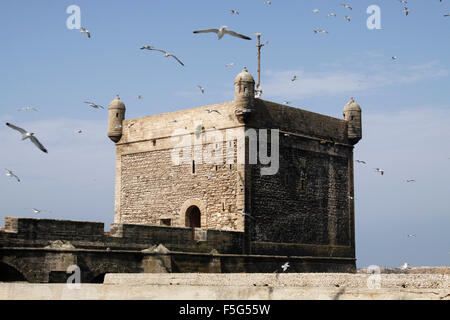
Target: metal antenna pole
x,y
259,59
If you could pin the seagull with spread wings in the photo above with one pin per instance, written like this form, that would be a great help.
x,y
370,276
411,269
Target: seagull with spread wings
x,y
166,54
11,174
93,105
28,135
223,31
27,109
83,30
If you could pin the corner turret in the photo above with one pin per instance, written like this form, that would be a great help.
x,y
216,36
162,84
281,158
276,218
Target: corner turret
x,y
352,114
116,114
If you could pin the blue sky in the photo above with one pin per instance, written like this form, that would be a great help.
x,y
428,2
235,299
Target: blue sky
x,y
405,103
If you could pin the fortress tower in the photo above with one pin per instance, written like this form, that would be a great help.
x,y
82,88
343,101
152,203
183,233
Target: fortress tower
x,y
304,207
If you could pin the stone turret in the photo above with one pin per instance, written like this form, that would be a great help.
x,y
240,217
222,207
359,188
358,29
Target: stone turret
x,y
352,114
116,114
244,94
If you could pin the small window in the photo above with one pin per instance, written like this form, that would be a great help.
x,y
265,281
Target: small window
x,y
217,168
302,185
352,117
245,89
154,142
193,166
166,222
117,115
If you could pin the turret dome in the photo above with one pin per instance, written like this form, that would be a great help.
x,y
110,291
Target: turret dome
x,y
352,106
117,104
244,76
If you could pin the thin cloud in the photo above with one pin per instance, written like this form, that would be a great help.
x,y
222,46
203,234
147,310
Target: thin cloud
x,y
337,82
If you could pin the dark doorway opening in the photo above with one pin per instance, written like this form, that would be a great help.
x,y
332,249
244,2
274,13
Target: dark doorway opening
x,y
193,217
10,274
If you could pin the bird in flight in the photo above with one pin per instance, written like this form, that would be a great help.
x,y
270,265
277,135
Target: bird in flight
x,y
379,170
394,58
39,211
406,10
208,176
347,18
446,15
403,1
79,131
93,105
83,30
315,11
360,161
28,135
346,6
11,174
139,97
286,102
234,12
267,2
201,89
229,64
27,109
166,54
285,266
320,31
404,266
294,78
332,14
411,235
410,180
212,110
223,31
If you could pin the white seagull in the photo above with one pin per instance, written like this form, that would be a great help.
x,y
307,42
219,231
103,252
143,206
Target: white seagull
x,y
294,78
394,58
410,180
315,11
285,266
404,266
201,89
39,211
139,97
93,105
223,31
406,10
9,173
234,12
166,54
83,30
332,14
229,64
347,18
360,161
267,2
379,170
29,135
27,109
411,235
346,6
320,31
212,110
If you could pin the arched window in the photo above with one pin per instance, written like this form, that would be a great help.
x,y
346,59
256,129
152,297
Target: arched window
x,y
193,217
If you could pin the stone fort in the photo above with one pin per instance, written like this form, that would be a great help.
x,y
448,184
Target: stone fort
x,y
239,186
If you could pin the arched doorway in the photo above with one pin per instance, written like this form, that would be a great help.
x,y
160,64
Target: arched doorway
x,y
193,219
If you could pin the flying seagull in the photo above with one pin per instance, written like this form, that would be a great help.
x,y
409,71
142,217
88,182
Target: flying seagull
x,y
346,6
223,31
410,180
79,131
347,18
234,12
9,173
411,235
320,31
406,10
201,89
294,78
229,64
360,161
208,176
29,135
403,1
446,15
83,30
404,266
139,97
212,110
286,102
93,105
285,266
267,2
27,109
166,54
379,170
39,211
315,10
332,14
394,57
